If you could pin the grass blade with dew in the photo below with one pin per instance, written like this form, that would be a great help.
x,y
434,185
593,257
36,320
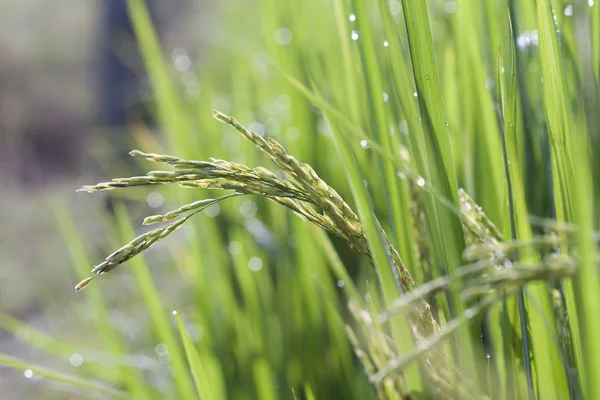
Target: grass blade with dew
x,y
446,233
384,267
559,117
209,384
158,312
518,224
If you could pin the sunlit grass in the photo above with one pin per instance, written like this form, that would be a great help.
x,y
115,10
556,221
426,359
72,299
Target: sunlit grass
x,y
396,105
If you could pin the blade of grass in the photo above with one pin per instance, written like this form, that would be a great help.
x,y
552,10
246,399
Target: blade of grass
x,y
61,377
157,311
446,228
208,383
385,270
550,374
169,105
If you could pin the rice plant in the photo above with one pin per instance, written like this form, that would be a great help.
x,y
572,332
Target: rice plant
x,y
440,156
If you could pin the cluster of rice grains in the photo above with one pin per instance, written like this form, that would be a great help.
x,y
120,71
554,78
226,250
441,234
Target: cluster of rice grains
x,y
308,196
302,191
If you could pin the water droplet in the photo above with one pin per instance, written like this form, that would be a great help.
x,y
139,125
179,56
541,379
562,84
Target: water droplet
x,y
385,43
234,248
489,84
364,144
488,355
340,283
283,36
76,360
568,11
395,7
385,97
352,17
212,211
174,312
591,2
526,39
255,264
427,77
415,94
354,35
450,7
154,199
469,313
421,182
28,373
164,358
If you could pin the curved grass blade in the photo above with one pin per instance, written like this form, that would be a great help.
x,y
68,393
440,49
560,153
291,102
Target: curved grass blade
x,y
208,385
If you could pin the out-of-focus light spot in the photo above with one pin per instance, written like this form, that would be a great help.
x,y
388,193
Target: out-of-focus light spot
x,y
181,58
403,127
292,133
183,63
234,248
28,373
161,348
257,128
248,208
154,200
189,78
284,102
568,11
283,36
450,7
255,264
76,360
212,211
395,7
